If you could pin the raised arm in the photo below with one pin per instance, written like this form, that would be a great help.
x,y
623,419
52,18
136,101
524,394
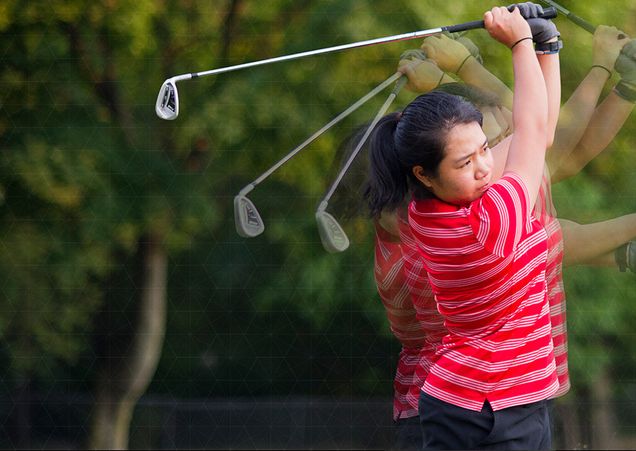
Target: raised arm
x,y
578,113
550,68
606,122
453,56
589,243
530,103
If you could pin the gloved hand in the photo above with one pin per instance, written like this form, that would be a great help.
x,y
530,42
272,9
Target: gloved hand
x,y
626,63
448,53
413,54
527,9
542,29
607,46
626,256
423,74
470,45
626,67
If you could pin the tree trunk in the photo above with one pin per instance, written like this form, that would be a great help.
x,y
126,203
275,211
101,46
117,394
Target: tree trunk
x,y
571,436
603,422
122,381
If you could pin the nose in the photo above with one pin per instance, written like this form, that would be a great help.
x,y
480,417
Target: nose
x,y
482,167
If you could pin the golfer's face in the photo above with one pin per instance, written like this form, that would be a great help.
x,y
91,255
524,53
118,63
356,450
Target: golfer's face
x,y
466,170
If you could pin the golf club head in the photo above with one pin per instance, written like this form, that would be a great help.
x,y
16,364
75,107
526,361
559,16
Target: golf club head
x,y
333,238
246,218
167,106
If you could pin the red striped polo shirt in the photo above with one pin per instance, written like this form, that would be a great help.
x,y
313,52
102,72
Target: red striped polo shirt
x,y
545,213
394,293
425,308
486,265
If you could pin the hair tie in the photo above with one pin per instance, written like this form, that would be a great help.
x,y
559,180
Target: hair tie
x,y
461,65
522,39
609,72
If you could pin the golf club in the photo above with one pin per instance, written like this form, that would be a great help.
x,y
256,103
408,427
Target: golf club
x,y
574,18
167,105
247,220
332,236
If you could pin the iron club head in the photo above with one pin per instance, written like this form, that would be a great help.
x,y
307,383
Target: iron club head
x,y
333,238
167,106
246,218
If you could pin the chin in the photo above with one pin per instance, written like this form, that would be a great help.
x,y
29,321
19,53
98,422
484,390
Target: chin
x,y
467,200
476,196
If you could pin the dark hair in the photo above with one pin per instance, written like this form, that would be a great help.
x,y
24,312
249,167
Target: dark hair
x,y
415,137
348,200
477,96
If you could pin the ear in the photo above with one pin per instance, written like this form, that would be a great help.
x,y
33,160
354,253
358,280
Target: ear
x,y
418,172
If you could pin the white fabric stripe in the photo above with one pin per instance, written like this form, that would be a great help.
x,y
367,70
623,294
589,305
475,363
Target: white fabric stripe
x,y
513,343
458,283
405,379
557,309
488,387
564,387
503,304
452,398
389,276
408,413
560,350
398,301
499,404
437,232
488,366
503,234
562,369
559,330
465,251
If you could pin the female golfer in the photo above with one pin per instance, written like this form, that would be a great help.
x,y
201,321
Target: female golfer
x,y
483,251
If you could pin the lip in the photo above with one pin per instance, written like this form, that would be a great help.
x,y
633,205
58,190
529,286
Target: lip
x,y
484,187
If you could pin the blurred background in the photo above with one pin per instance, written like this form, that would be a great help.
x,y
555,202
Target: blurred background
x,y
131,312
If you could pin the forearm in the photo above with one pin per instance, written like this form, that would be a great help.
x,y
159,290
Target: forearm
x,y
574,117
475,74
587,243
607,260
605,123
550,67
423,75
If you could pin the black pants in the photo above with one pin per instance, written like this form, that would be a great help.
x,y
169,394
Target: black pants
x,y
445,426
407,435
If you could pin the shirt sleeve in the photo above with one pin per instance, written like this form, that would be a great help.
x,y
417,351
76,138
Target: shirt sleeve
x,y
499,217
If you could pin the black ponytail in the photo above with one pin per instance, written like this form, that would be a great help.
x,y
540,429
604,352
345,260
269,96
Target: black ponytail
x,y
386,185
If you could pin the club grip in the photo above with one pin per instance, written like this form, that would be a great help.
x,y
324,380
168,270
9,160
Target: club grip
x,y
548,13
464,26
582,23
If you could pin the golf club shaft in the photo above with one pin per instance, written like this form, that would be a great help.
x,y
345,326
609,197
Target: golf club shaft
x,y
326,127
573,17
401,82
548,14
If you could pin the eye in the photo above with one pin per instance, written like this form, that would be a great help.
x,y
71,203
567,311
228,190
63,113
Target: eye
x,y
465,164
